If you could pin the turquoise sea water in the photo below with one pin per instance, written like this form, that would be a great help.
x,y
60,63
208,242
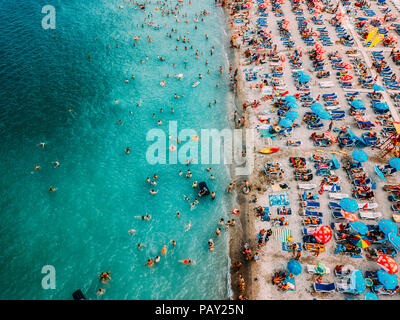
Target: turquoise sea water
x,y
82,228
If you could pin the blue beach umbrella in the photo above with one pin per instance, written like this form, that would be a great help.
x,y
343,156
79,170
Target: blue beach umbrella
x,y
324,115
359,227
294,267
304,78
317,107
377,87
379,173
360,155
357,281
290,99
291,115
395,163
387,226
371,296
394,240
286,123
292,105
357,104
349,205
389,281
381,106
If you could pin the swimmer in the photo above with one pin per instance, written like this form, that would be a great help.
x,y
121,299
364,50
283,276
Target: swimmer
x,y
37,168
178,214
157,259
149,263
127,150
51,189
212,176
140,246
56,164
221,221
42,144
218,232
132,231
188,174
186,261
164,250
152,191
212,195
194,185
155,176
173,242
208,169
188,227
180,172
105,276
100,292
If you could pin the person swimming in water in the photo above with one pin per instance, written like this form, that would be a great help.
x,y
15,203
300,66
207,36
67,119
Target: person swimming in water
x,y
100,292
152,191
188,227
186,261
132,231
105,276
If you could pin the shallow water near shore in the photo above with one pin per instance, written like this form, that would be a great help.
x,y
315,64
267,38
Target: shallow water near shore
x,y
82,228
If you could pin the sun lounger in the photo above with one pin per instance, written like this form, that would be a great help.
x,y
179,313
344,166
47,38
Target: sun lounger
x,y
324,287
337,215
311,269
326,84
370,215
334,205
306,186
368,205
338,196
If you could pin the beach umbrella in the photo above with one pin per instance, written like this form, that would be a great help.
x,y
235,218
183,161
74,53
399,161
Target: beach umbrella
x,y
381,106
359,241
291,115
324,115
320,268
389,281
346,77
394,240
349,205
371,296
317,107
290,99
359,227
379,173
395,163
286,123
387,226
358,104
304,78
323,234
351,216
387,263
360,155
357,281
377,87
292,105
294,267
336,164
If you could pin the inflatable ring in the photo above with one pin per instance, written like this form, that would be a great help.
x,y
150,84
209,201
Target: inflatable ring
x,y
369,282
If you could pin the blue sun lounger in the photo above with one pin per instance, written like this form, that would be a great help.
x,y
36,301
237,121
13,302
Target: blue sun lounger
x,y
324,287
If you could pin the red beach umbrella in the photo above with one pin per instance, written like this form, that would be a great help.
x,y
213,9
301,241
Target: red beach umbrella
x,y
249,5
263,5
320,58
348,66
387,263
352,217
346,77
323,234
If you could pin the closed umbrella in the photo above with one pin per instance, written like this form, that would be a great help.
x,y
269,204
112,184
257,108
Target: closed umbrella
x,y
387,226
389,281
286,123
359,241
349,205
360,155
294,267
379,173
387,263
323,234
395,163
359,227
394,240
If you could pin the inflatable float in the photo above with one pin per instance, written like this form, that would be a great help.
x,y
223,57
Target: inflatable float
x,y
204,191
268,150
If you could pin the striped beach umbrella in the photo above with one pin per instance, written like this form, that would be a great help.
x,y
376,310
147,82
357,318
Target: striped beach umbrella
x,y
387,263
323,234
359,241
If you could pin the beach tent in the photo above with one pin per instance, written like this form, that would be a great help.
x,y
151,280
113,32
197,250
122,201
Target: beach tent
x,y
389,281
294,267
359,155
387,226
359,227
395,163
387,263
349,205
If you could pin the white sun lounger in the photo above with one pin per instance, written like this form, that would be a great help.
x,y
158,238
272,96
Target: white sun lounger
x,y
332,107
370,205
326,84
306,186
311,269
338,195
372,215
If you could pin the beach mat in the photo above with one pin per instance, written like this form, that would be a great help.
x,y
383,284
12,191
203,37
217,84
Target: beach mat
x,y
281,234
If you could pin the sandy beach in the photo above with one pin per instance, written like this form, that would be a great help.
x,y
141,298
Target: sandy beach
x,y
258,275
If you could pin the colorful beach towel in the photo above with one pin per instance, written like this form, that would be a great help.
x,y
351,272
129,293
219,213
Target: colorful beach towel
x,y
281,234
286,247
279,199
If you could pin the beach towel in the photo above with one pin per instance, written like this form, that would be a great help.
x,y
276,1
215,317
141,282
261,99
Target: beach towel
x,y
281,234
286,247
279,199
